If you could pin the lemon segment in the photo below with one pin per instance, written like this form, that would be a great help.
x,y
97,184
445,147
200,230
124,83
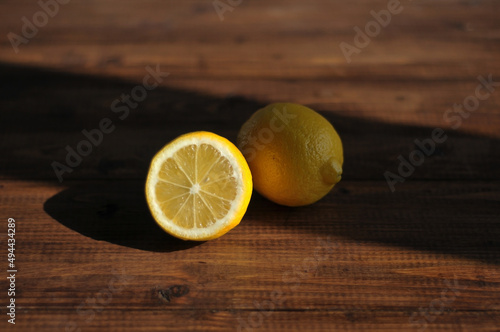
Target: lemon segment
x,y
198,186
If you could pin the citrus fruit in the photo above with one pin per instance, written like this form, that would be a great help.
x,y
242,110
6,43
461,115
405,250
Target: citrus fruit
x,y
294,153
198,186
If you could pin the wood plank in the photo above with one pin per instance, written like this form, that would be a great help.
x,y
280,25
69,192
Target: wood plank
x,y
248,321
36,130
332,262
191,41
324,256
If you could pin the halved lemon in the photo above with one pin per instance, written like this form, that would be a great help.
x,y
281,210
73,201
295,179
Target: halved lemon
x,y
198,186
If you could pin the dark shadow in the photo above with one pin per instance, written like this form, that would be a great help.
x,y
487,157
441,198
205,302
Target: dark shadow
x,y
447,218
44,111
115,212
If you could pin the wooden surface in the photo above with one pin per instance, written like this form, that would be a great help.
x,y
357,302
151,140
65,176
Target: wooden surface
x,y
90,257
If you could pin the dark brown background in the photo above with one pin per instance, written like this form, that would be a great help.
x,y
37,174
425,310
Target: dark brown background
x,y
90,256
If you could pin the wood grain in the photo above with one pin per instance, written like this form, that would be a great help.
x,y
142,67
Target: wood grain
x,y
358,262
91,258
67,104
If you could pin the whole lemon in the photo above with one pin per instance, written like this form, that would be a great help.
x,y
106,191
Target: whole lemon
x,y
295,155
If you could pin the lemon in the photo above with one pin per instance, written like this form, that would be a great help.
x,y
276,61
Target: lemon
x,y
198,186
294,153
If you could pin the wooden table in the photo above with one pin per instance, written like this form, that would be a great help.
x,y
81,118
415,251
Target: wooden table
x,y
89,256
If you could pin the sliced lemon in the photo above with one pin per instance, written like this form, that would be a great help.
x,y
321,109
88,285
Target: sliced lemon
x,y
198,186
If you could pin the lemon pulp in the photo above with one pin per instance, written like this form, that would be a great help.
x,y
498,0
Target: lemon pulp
x,y
198,186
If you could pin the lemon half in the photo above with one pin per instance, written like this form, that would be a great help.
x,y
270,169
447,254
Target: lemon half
x,y
198,186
